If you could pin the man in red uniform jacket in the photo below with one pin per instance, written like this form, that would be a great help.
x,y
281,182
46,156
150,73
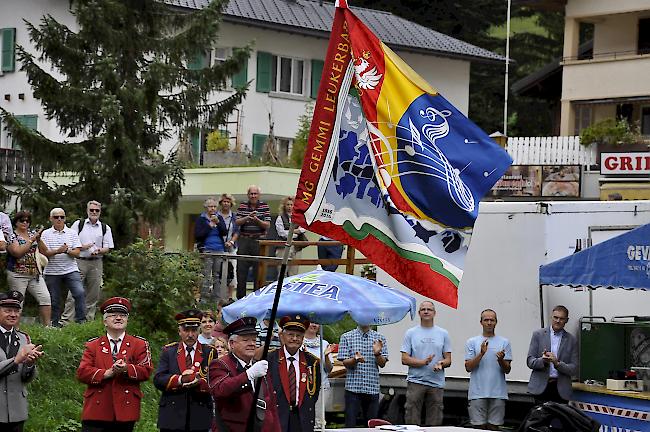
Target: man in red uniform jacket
x,y
231,380
113,366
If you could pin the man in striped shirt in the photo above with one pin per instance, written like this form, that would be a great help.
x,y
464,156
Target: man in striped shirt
x,y
253,219
63,246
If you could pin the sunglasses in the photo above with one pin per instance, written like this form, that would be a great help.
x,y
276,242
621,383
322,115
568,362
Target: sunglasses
x,y
94,210
58,217
24,221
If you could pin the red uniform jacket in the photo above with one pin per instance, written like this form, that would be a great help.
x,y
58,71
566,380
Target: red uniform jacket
x,y
117,398
233,396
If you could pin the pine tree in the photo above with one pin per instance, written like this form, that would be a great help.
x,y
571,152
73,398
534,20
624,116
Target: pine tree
x,y
118,87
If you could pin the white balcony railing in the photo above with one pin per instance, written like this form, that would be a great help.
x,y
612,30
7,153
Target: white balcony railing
x,y
553,150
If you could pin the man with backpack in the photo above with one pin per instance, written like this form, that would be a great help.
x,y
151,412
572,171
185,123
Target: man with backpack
x,y
96,241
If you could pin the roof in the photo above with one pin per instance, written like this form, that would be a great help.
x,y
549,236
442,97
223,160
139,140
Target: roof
x,y
314,18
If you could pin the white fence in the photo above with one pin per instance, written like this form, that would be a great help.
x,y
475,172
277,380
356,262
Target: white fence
x,y
555,150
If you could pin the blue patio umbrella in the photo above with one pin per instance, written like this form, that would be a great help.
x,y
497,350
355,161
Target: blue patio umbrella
x,y
326,297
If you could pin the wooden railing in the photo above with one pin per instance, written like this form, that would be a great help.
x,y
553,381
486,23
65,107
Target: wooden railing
x,y
551,150
14,166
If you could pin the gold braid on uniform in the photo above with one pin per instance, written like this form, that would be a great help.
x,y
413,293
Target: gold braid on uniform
x,y
203,371
311,378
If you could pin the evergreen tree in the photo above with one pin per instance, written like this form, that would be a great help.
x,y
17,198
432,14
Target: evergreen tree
x,y
119,86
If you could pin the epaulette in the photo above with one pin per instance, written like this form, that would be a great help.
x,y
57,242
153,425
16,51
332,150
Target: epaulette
x,y
273,349
140,337
313,357
171,344
93,338
27,338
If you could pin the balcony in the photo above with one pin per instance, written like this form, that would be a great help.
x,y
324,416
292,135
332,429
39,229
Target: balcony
x,y
14,166
606,76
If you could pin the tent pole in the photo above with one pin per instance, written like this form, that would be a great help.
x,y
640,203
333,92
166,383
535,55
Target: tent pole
x,y
591,301
541,304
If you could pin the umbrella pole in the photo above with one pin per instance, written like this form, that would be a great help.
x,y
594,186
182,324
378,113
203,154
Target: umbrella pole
x,y
250,424
322,382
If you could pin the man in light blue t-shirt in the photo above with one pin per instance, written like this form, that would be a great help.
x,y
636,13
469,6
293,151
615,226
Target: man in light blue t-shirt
x,y
426,350
487,359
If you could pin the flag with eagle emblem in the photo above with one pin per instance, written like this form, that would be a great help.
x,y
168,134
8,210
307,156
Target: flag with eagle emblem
x,y
391,167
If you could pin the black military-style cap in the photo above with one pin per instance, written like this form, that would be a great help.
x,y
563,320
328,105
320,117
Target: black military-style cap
x,y
241,326
190,318
11,299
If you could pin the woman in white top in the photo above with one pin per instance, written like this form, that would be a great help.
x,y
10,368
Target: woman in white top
x,y
312,344
282,223
207,325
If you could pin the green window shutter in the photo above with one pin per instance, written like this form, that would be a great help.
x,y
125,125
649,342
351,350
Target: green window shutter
x,y
196,145
199,61
29,121
241,78
316,73
264,61
258,144
8,49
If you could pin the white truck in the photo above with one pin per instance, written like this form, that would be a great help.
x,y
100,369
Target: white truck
x,y
511,240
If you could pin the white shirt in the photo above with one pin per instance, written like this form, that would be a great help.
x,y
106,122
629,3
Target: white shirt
x,y
119,339
244,364
6,226
93,234
556,338
279,227
62,263
296,366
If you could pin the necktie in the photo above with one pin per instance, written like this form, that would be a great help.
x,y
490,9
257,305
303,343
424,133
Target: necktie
x,y
5,341
292,381
115,342
188,357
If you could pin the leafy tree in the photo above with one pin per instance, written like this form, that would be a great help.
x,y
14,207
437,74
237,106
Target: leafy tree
x,y
300,140
127,80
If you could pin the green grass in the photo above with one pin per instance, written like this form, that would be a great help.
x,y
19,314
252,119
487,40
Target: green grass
x,y
55,396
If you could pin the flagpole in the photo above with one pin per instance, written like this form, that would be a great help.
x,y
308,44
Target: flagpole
x,y
505,98
250,424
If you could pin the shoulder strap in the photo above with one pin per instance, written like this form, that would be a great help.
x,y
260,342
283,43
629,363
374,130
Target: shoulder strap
x,y
80,225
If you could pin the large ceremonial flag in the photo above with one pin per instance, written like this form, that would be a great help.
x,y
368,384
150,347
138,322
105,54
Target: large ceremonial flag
x,y
391,167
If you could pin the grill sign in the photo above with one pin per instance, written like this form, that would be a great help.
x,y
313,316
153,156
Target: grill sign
x,y
625,163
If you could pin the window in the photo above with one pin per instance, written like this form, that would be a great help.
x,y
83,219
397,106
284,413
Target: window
x,y
284,148
287,75
8,45
644,36
586,41
645,120
220,55
583,117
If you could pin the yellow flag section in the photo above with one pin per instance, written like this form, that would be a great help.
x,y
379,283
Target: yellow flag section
x,y
400,87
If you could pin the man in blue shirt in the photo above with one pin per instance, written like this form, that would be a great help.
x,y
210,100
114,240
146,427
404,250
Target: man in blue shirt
x,y
487,359
426,350
363,351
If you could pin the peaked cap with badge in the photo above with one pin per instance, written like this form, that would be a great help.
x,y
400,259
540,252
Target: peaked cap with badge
x,y
116,305
11,299
294,322
241,326
190,318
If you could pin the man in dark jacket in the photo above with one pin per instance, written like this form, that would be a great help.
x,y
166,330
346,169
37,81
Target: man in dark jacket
x,y
209,232
296,377
185,404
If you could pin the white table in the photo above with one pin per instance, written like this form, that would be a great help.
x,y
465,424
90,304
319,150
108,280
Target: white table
x,y
427,429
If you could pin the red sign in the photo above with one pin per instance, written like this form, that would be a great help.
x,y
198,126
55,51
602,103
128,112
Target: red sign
x,y
625,163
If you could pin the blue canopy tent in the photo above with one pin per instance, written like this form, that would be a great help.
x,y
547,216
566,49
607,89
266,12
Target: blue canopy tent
x,y
620,262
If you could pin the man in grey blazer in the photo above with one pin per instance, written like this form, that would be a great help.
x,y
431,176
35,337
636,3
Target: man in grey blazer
x,y
553,358
17,364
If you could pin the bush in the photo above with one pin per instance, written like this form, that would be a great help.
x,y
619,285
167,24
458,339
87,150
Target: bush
x,y
159,285
56,397
609,131
217,141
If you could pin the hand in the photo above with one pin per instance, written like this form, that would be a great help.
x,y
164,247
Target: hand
x,y
549,357
484,347
258,369
359,358
328,350
34,355
87,246
188,376
36,237
62,249
377,346
428,359
23,354
438,366
501,355
119,366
